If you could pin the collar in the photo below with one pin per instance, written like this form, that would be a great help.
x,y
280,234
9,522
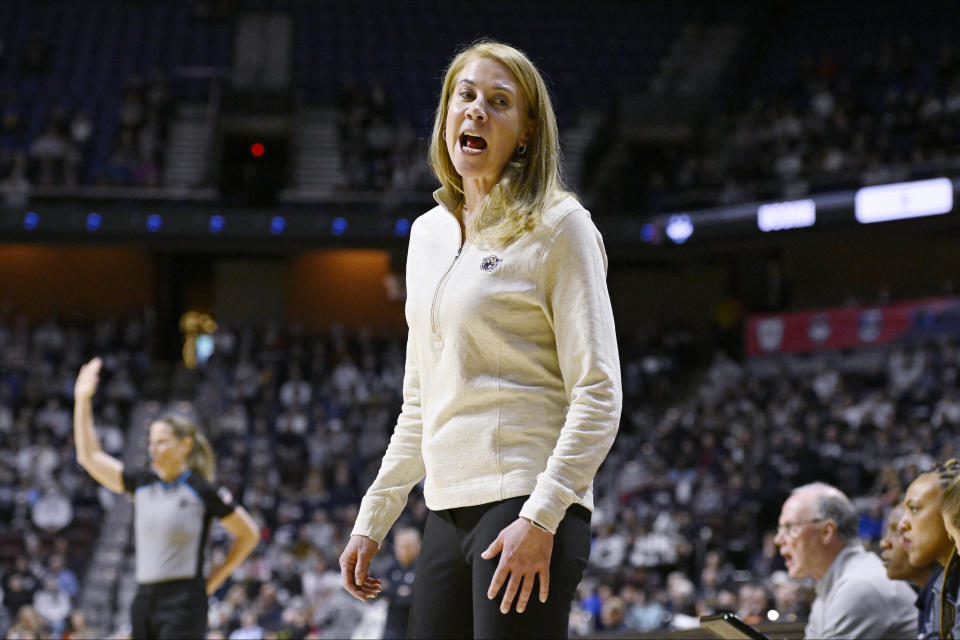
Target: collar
x,y
924,594
446,199
179,480
824,585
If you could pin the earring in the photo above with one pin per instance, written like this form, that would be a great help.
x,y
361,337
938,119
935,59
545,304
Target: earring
x,y
522,149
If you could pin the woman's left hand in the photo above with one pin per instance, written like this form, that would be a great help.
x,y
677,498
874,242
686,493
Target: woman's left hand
x,y
525,552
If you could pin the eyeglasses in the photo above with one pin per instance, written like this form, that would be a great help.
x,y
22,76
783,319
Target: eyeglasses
x,y
792,529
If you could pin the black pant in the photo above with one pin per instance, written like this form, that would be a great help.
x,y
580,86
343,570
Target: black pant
x,y
450,589
169,610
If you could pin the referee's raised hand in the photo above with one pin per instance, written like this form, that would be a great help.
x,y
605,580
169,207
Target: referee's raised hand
x,y
87,379
103,467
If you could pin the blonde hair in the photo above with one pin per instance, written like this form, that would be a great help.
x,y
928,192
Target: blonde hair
x,y
530,182
201,459
950,504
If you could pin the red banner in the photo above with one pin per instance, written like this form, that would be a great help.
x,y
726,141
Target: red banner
x,y
851,327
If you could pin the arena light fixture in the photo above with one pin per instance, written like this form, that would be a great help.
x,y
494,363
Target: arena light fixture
x,y
679,228
216,223
154,222
31,220
94,221
649,232
277,225
903,200
778,216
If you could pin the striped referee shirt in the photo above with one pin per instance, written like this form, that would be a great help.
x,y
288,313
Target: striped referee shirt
x,y
172,522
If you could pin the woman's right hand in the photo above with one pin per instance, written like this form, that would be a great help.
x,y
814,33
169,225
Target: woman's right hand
x,y
354,564
87,380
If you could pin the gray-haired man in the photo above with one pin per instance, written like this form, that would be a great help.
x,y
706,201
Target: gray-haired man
x,y
817,537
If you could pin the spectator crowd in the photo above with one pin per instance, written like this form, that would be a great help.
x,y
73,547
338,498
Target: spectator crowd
x,y
380,149
63,151
687,501
51,510
888,116
830,121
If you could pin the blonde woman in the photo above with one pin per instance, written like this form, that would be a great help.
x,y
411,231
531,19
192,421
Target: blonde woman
x,y
512,392
174,503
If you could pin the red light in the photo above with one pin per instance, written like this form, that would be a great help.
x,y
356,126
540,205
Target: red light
x,y
257,149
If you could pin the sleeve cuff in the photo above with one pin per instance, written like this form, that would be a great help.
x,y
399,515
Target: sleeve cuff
x,y
368,524
545,507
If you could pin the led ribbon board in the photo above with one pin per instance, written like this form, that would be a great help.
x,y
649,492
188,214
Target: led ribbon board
x,y
903,200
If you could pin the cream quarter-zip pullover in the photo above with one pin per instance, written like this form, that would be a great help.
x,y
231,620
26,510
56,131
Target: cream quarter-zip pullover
x,y
512,381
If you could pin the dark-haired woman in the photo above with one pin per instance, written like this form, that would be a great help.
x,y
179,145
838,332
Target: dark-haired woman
x,y
174,503
926,540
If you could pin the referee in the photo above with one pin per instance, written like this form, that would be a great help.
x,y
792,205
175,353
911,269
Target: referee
x,y
173,506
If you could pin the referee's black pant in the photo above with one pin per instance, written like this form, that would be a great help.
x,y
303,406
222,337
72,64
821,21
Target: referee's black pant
x,y
171,610
450,588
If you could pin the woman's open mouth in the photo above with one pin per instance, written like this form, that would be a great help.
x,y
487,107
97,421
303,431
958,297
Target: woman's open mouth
x,y
472,144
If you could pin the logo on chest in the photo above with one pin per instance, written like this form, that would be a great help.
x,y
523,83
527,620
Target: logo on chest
x,y
491,264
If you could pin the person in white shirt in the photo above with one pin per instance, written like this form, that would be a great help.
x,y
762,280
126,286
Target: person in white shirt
x,y
53,604
512,392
